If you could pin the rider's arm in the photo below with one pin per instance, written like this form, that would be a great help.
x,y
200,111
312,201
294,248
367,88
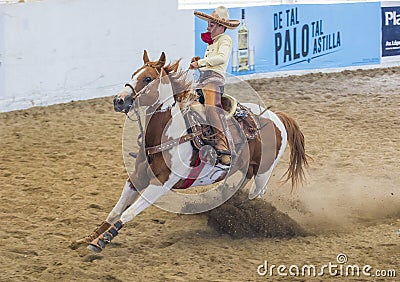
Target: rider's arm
x,y
217,55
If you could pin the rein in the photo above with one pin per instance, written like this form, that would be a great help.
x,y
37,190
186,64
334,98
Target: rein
x,y
172,143
166,145
133,90
163,146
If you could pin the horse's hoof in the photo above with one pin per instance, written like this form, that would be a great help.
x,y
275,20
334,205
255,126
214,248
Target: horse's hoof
x,y
96,233
98,244
83,240
133,155
94,249
74,245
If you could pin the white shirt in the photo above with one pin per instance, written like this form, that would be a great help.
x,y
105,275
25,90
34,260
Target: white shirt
x,y
217,55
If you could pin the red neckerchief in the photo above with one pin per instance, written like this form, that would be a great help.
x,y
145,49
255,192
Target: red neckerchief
x,y
206,37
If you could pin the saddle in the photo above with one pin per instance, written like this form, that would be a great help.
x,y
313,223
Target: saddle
x,y
245,122
199,132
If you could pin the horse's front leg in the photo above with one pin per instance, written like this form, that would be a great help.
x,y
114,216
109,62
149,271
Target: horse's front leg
x,y
148,197
128,196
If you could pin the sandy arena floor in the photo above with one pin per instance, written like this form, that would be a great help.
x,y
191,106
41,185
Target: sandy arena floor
x,y
61,172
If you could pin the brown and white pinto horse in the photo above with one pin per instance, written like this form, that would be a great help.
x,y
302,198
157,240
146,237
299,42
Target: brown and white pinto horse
x,y
165,139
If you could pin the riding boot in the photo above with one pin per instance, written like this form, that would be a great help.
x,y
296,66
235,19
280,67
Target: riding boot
x,y
215,117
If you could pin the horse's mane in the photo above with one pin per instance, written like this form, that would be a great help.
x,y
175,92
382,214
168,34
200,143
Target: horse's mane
x,y
182,86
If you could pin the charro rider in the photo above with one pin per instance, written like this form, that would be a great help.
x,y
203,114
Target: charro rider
x,y
212,72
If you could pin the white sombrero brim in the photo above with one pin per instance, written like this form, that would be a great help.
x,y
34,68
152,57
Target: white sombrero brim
x,y
231,24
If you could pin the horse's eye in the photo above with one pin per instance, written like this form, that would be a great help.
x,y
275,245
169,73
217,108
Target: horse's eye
x,y
147,80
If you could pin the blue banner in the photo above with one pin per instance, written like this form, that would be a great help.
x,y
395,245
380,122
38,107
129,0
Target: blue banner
x,y
296,37
390,31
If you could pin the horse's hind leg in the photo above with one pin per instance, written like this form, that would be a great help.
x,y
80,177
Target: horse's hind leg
x,y
270,151
128,196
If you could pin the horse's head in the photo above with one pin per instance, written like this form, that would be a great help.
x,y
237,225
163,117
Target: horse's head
x,y
137,87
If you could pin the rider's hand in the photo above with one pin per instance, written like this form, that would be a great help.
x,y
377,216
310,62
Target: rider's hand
x,y
194,65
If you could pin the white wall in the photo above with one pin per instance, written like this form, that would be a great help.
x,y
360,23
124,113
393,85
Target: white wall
x,y
2,58
58,51
54,51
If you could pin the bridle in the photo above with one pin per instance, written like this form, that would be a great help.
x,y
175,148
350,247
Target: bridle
x,y
137,94
142,91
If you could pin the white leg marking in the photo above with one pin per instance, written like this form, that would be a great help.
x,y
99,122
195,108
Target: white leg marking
x,y
128,196
148,197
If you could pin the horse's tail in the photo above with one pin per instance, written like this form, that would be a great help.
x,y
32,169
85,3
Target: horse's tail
x,y
298,157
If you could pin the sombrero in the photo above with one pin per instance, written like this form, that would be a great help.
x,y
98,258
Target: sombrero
x,y
220,16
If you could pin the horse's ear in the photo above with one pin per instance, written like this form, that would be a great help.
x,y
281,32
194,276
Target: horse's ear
x,y
145,57
161,60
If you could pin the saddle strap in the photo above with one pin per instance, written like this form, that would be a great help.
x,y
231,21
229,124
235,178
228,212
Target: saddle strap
x,y
247,121
172,143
